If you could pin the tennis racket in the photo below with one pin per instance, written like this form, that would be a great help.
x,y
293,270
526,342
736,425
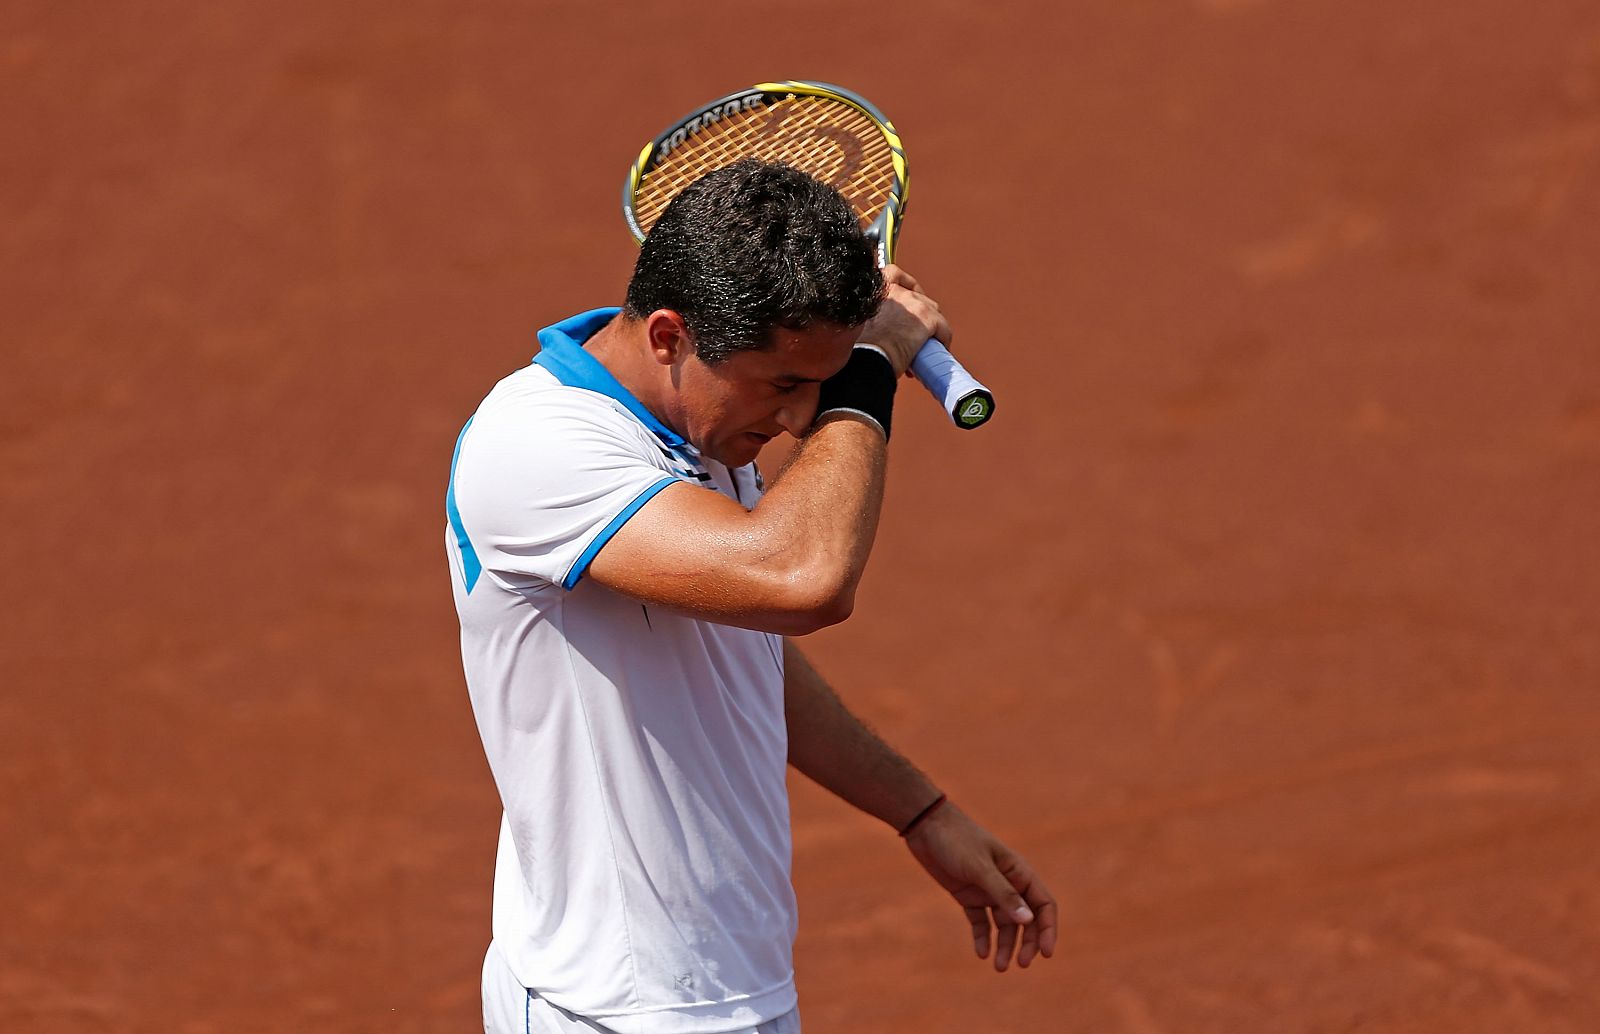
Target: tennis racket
x,y
835,136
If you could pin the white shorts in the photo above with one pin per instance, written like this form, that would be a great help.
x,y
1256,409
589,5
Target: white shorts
x,y
510,1008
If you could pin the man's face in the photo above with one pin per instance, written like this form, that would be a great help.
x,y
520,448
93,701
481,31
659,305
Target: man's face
x,y
731,409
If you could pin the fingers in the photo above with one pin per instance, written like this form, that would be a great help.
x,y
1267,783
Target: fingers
x,y
1030,945
903,323
940,328
1010,939
893,274
1047,929
1043,930
905,293
1009,907
979,918
1025,914
1039,901
1009,910
930,320
1005,944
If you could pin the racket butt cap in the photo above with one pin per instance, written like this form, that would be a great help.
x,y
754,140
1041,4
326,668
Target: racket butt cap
x,y
972,410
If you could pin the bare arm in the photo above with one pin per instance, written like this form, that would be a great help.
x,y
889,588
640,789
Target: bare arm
x,y
792,564
992,883
834,749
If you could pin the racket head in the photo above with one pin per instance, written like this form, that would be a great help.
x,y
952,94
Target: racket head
x,y
827,131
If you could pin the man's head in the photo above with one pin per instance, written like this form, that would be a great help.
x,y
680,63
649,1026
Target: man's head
x,y
750,248
751,287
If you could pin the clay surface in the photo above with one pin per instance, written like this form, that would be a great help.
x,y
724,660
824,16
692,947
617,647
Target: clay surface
x,y
1262,618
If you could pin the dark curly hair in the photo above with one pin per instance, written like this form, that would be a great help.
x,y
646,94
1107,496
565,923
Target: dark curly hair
x,y
752,247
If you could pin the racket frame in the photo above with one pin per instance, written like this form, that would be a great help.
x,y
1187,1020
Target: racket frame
x,y
884,230
973,407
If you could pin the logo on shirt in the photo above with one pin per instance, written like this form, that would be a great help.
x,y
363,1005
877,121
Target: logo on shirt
x,y
688,469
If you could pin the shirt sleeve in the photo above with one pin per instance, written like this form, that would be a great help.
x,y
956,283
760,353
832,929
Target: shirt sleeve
x,y
539,492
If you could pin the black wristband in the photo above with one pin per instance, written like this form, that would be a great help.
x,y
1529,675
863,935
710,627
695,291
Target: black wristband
x,y
905,831
865,386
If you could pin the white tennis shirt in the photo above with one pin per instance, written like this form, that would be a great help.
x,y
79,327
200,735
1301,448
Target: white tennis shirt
x,y
642,879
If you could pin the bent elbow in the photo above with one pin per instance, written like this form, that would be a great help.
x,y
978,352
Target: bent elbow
x,y
831,611
817,602
838,609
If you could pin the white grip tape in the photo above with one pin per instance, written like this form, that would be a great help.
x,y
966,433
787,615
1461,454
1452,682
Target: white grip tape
x,y
948,381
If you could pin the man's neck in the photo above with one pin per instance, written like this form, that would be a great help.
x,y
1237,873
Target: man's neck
x,y
621,348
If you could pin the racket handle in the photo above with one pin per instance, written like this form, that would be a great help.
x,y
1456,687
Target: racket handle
x,y
968,403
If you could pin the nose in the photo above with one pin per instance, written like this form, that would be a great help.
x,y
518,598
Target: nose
x,y
800,409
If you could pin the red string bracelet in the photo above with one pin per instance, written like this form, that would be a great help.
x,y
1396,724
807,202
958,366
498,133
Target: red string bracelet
x,y
924,813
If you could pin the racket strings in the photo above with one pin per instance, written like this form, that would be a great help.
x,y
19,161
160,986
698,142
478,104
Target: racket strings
x,y
835,142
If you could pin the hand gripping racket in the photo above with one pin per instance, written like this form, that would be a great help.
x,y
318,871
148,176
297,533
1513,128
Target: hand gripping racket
x,y
835,136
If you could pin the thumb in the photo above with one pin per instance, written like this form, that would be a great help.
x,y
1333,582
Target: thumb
x,y
1003,897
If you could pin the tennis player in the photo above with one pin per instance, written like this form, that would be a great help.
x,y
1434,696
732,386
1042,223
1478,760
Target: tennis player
x,y
627,586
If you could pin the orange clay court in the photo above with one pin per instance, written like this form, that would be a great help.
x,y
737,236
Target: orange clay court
x,y
1264,618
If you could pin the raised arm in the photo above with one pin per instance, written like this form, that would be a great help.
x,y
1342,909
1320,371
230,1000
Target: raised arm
x,y
791,565
996,888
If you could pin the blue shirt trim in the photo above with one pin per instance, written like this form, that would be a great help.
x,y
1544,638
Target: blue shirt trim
x,y
561,352
471,566
582,563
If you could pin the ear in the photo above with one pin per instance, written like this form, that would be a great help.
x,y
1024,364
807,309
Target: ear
x,y
668,337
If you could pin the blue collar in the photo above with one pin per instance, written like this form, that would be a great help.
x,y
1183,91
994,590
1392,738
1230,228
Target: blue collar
x,y
561,352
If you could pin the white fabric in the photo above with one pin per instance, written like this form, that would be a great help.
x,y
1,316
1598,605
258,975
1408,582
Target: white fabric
x,y
510,1008
642,879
